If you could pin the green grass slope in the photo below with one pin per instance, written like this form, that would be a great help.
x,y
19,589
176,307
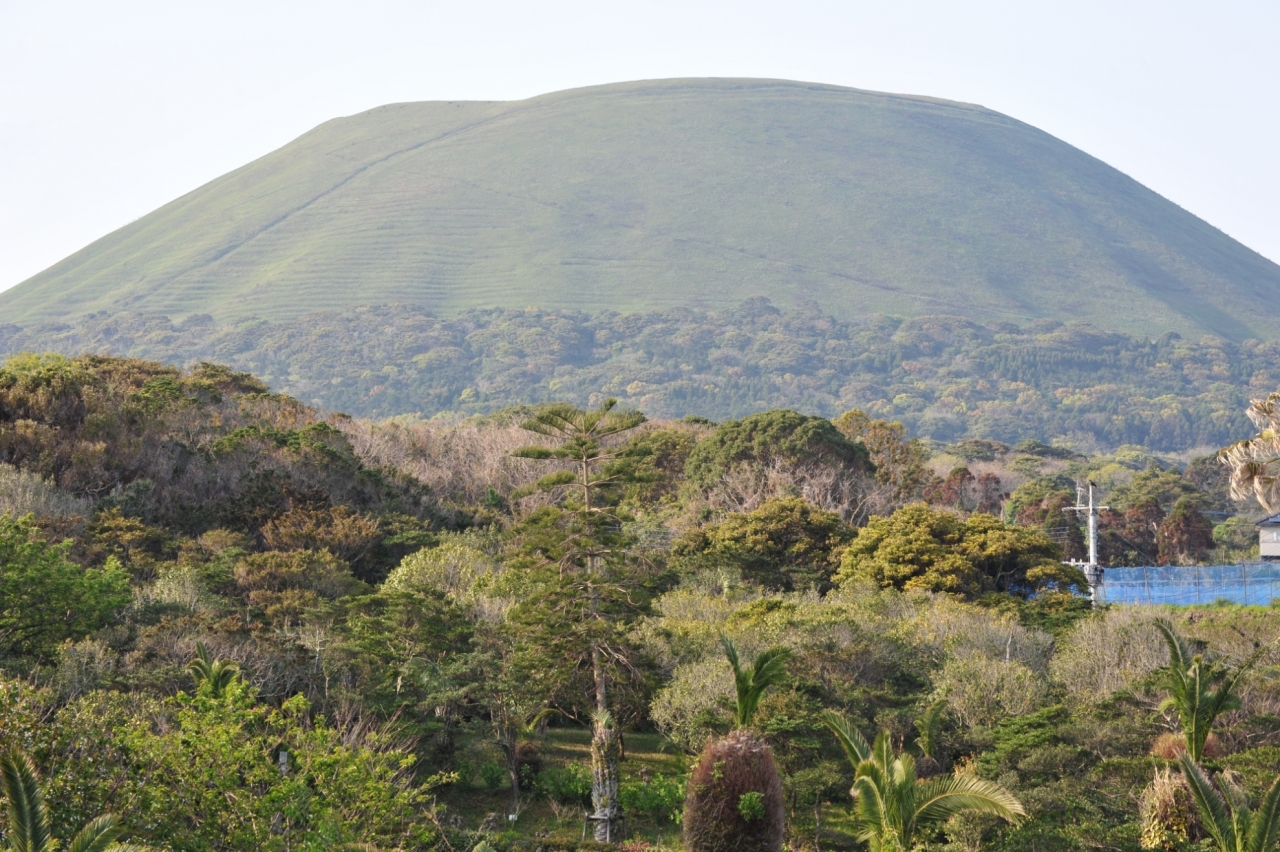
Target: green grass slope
x,y
699,193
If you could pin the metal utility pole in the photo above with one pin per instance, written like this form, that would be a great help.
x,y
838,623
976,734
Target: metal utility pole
x,y
1092,570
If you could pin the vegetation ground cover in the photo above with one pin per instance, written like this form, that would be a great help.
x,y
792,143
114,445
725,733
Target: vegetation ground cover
x,y
945,378
232,621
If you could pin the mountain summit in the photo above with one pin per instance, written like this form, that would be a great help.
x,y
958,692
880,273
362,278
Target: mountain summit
x,y
701,193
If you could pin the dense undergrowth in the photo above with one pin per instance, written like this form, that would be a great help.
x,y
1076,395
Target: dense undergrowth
x,y
413,619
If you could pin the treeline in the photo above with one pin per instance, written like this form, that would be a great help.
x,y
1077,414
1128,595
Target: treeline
x,y
236,622
945,378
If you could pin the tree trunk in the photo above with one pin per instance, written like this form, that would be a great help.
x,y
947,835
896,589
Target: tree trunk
x,y
606,754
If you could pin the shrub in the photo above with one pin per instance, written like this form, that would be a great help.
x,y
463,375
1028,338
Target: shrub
x,y
450,568
1167,813
982,691
728,770
659,798
1169,745
22,492
569,784
493,774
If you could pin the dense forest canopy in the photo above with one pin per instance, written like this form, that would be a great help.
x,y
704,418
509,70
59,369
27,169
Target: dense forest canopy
x,y
233,621
944,378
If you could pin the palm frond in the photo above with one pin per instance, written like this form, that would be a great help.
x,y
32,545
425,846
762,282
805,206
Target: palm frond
x,y
855,746
97,836
1265,831
28,817
1179,654
929,725
941,798
768,669
1213,810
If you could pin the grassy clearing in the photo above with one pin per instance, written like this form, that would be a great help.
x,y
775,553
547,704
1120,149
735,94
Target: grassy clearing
x,y
473,803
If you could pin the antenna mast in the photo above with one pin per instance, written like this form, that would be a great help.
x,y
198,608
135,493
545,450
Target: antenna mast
x,y
1092,570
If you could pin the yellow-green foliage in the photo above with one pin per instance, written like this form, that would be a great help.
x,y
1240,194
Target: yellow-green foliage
x,y
920,548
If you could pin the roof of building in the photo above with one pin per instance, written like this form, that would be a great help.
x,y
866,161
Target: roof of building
x,y
1272,521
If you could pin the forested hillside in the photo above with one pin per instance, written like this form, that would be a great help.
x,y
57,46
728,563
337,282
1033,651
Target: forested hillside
x,y
231,621
945,378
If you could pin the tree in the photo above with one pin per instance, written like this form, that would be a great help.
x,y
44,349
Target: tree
x,y
919,548
212,676
745,462
768,669
28,829
901,462
1185,536
44,597
786,544
1199,690
1225,814
893,807
586,545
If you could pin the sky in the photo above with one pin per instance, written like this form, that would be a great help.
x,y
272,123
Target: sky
x,y
109,110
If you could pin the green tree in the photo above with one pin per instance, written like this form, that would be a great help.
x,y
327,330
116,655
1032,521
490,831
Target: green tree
x,y
583,540
786,544
893,808
28,828
751,683
212,677
919,548
45,597
1199,690
1225,813
901,463
778,435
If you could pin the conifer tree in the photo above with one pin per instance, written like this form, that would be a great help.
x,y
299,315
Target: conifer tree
x,y
592,589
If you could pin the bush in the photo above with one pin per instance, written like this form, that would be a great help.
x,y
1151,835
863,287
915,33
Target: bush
x,y
569,784
659,799
493,774
728,773
982,691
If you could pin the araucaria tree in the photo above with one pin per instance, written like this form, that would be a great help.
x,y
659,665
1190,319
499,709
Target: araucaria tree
x,y
735,801
893,808
591,584
1199,690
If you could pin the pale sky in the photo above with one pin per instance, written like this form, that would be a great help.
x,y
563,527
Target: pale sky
x,y
108,110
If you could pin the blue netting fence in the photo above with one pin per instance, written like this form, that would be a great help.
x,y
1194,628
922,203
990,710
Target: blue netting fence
x,y
1247,583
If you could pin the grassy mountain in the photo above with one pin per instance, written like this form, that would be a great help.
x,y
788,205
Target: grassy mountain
x,y
694,193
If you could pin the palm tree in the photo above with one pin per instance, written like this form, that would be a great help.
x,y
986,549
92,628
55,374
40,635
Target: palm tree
x,y
929,726
1225,812
29,818
892,806
216,674
769,669
1199,690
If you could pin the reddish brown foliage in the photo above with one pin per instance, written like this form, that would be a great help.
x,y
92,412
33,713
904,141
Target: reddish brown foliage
x,y
730,768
